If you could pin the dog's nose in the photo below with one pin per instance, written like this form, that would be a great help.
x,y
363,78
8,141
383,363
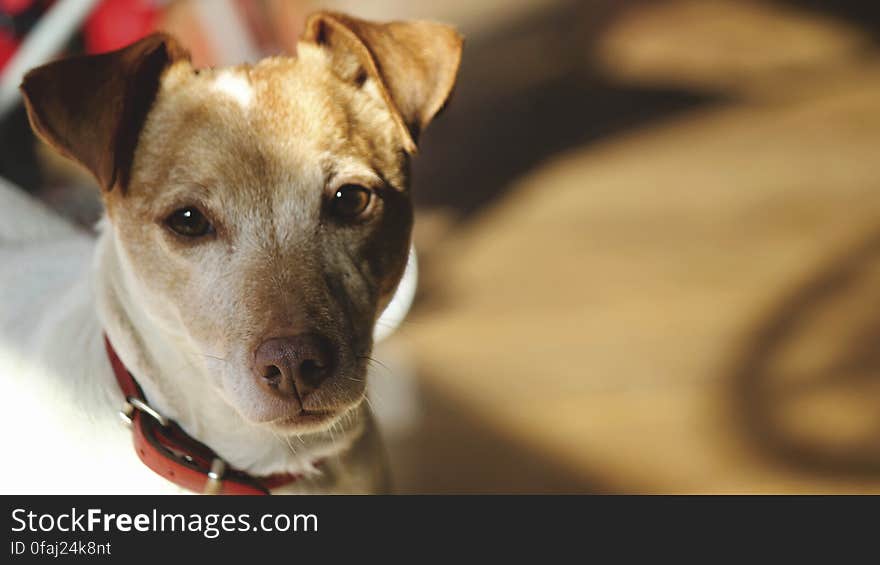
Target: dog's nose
x,y
294,366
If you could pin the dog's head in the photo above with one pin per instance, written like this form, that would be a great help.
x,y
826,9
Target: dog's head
x,y
262,212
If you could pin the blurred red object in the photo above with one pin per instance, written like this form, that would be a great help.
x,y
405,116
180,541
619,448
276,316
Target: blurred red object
x,y
8,45
116,23
15,7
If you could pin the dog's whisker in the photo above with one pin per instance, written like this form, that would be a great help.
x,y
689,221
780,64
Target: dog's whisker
x,y
341,432
290,445
386,369
375,361
274,433
332,437
370,404
283,440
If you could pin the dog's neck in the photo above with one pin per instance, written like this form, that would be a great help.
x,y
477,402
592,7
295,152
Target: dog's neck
x,y
176,381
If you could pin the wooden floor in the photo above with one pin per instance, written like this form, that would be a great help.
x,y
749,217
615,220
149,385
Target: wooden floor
x,y
688,305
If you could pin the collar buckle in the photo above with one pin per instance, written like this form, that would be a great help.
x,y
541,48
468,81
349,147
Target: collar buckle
x,y
131,404
171,453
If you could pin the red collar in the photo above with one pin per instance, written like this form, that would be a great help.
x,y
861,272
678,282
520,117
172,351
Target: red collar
x,y
164,447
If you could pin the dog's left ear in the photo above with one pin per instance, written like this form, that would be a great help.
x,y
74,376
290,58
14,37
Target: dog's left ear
x,y
91,108
414,64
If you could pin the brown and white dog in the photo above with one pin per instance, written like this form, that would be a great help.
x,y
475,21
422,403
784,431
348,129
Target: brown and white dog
x,y
257,225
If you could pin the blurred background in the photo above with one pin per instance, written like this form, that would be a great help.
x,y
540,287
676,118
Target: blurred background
x,y
649,237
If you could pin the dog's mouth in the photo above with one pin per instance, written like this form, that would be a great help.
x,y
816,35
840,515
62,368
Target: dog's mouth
x,y
306,420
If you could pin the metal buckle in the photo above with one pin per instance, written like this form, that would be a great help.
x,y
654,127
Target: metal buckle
x,y
131,404
125,413
214,484
215,476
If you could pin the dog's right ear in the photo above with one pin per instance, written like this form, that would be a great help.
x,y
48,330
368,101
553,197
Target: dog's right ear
x,y
92,108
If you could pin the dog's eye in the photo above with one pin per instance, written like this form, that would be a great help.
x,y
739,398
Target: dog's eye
x,y
189,222
350,201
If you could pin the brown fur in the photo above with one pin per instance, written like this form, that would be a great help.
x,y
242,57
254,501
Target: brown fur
x,y
260,150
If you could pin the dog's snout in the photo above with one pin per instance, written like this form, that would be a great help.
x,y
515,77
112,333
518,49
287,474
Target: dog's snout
x,y
294,366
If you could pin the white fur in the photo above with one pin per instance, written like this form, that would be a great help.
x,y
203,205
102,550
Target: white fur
x,y
234,86
62,288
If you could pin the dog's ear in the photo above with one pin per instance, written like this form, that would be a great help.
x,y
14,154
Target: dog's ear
x,y
92,108
414,64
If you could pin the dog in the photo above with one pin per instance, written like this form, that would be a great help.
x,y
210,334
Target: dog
x,y
257,223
